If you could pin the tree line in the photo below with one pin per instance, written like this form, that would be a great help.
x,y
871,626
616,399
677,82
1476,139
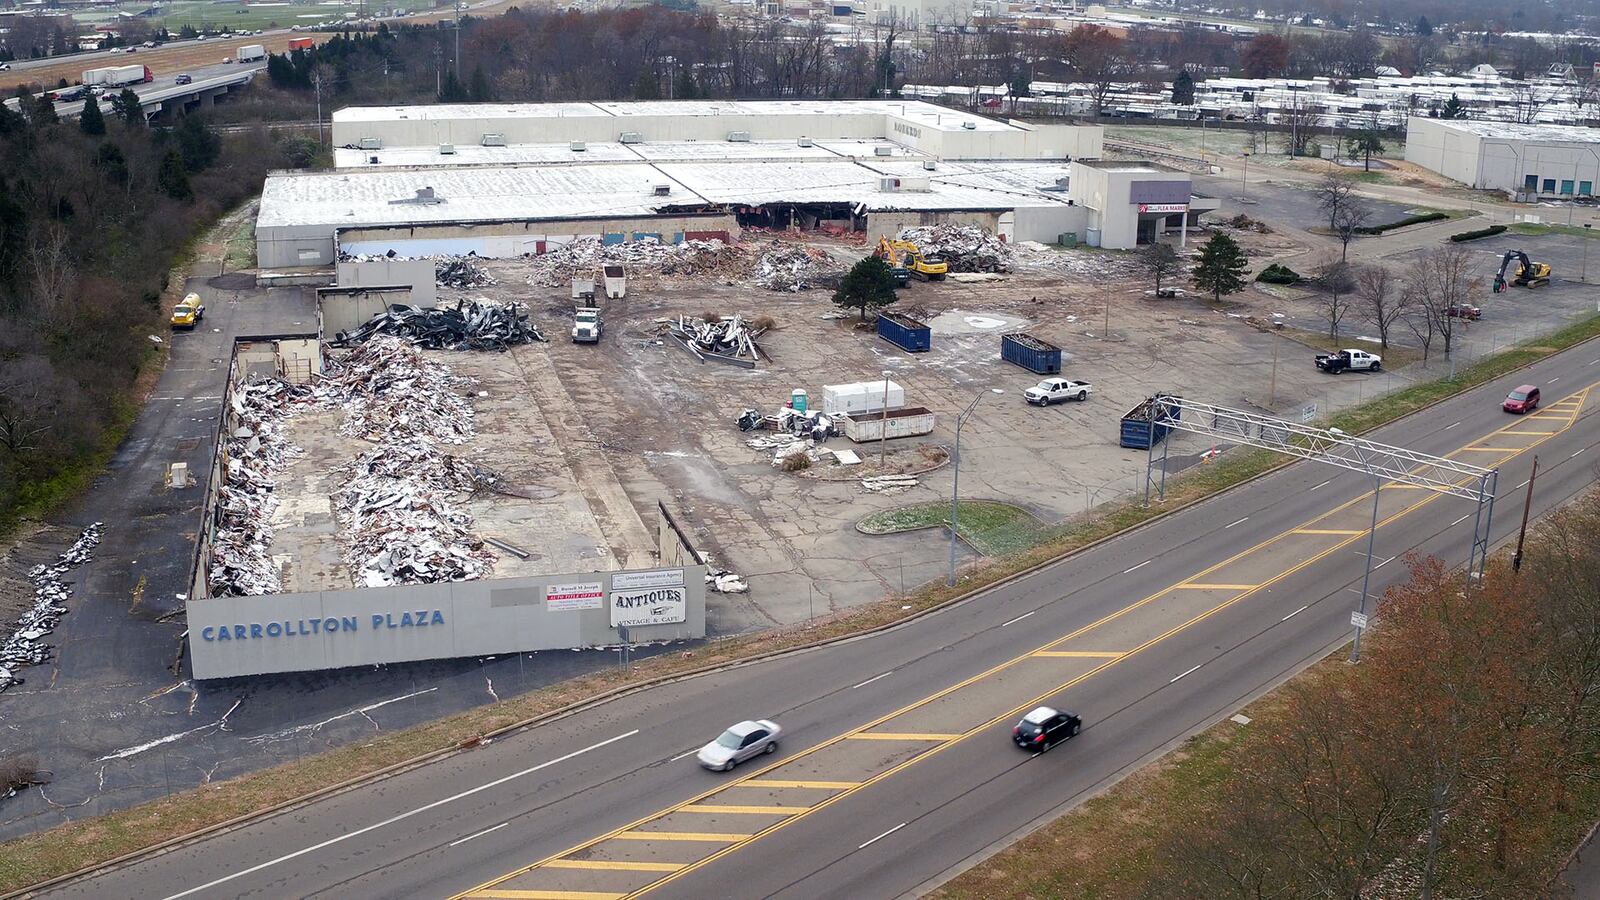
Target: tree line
x,y
93,214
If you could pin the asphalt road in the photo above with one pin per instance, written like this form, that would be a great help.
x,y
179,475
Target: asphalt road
x,y
896,769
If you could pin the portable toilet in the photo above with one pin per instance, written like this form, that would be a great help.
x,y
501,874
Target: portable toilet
x,y
797,399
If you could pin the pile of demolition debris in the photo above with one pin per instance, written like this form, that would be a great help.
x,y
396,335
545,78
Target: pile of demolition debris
x,y
253,453
967,248
398,504
584,255
889,484
1032,256
729,338
474,325
791,267
26,647
461,272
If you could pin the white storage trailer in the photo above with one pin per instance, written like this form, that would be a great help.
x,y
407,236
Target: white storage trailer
x,y
860,397
251,53
117,76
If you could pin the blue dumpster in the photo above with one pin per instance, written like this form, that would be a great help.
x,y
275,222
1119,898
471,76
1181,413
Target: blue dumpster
x,y
1148,423
1031,353
905,332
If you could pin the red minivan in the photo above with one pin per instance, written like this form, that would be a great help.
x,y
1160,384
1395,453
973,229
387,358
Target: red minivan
x,y
1523,399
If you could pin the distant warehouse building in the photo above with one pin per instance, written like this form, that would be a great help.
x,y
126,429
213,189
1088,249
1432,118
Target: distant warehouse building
x,y
512,179
1527,162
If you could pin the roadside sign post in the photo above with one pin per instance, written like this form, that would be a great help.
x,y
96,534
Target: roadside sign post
x,y
1359,620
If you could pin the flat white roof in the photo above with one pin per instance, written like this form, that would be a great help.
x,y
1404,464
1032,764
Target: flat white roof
x,y
924,114
1568,134
474,155
356,197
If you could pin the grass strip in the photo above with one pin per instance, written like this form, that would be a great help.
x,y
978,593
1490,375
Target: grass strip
x,y
77,845
1572,230
988,526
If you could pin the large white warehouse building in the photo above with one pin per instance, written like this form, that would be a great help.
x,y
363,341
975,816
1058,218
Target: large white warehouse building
x,y
1528,162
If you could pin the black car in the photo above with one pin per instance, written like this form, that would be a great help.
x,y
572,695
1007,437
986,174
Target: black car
x,y
1044,728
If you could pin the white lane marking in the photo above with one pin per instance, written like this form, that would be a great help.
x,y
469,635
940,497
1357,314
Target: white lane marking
x,y
690,752
884,675
1554,380
1384,563
1521,486
882,836
1139,566
1451,425
479,834
1460,520
1190,672
1576,452
1322,485
399,818
1592,362
1231,524
1295,613
1013,621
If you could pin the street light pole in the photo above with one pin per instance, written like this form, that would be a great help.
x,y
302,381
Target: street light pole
x,y
955,487
1244,180
1585,276
1366,579
883,439
1516,558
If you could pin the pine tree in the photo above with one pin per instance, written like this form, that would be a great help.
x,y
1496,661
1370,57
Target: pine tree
x,y
1221,267
867,284
478,87
199,145
1424,27
1183,89
44,111
173,178
128,107
90,120
1453,109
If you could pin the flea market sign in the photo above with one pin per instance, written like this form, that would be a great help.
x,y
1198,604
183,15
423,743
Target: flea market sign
x,y
1163,207
648,598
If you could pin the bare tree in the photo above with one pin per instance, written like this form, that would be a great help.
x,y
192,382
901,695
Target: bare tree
x,y
1381,303
1161,261
1416,315
1334,191
1441,284
1346,222
1302,118
1335,286
34,400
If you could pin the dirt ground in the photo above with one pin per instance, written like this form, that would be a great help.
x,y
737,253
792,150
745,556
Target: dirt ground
x,y
664,422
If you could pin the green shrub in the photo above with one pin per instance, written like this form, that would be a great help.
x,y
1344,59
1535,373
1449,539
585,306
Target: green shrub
x,y
1491,231
1278,274
1401,223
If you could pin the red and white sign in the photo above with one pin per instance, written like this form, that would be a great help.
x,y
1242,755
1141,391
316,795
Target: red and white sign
x,y
1163,207
564,597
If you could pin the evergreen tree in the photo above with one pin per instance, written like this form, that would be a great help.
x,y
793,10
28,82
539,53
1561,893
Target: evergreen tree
x,y
1221,267
127,106
90,120
647,86
109,159
450,90
1366,142
1424,27
867,284
44,111
1453,109
173,178
684,87
199,145
478,88
1183,89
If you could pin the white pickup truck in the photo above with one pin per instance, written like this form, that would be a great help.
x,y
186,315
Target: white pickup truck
x,y
1349,360
1051,390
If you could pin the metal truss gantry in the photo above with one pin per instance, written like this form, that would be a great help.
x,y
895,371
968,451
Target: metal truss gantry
x,y
1381,462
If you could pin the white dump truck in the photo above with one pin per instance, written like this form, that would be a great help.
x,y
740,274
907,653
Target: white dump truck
x,y
586,325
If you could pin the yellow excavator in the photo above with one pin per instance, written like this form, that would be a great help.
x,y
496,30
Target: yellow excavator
x,y
1529,274
908,256
887,253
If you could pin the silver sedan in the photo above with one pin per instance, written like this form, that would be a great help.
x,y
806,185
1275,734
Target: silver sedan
x,y
743,741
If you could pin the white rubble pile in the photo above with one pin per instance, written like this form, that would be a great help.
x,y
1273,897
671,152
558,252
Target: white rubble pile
x,y
1032,256
398,504
967,248
791,267
584,255
889,484
255,452
25,647
460,272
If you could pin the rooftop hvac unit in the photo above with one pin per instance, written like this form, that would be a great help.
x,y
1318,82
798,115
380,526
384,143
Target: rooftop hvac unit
x,y
882,151
578,146
741,137
370,143
804,142
915,184
493,139
447,149
970,126
888,184
372,160
662,190
631,137
928,165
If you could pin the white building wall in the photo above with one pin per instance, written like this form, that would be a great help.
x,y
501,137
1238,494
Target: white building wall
x,y
1558,168
1437,147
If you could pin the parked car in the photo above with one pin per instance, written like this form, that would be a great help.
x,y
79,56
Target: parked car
x,y
1349,360
1464,311
188,312
1524,399
5,67
746,740
184,78
1051,390
1044,728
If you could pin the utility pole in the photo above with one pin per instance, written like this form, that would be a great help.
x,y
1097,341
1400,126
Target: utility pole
x,y
458,41
1272,383
1244,180
1366,579
1516,558
883,439
316,79
1585,276
955,487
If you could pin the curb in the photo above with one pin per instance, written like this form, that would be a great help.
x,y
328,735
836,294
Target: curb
x,y
660,680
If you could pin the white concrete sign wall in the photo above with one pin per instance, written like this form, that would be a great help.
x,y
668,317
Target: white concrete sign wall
x,y
232,636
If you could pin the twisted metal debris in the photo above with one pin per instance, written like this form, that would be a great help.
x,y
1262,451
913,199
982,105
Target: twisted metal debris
x,y
25,647
471,325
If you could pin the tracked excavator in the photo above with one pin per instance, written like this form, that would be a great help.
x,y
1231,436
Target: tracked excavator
x,y
909,256
1528,274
